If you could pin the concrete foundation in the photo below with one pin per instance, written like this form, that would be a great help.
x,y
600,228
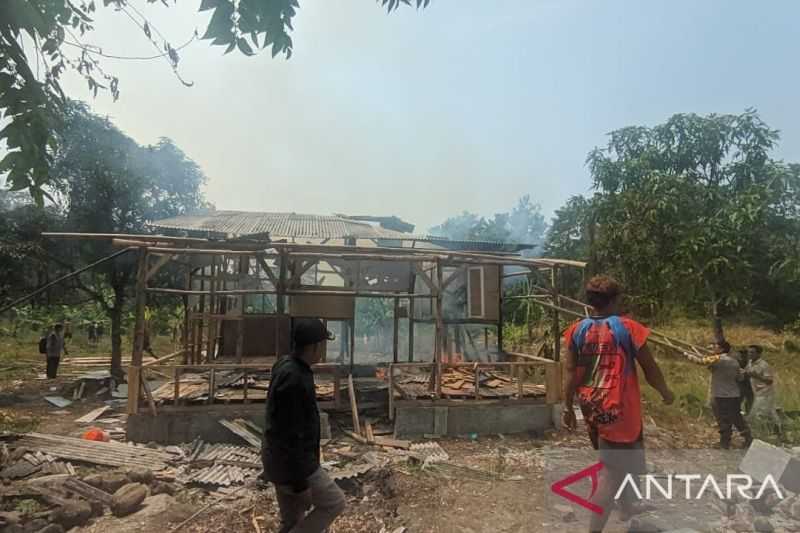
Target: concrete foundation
x,y
415,421
184,424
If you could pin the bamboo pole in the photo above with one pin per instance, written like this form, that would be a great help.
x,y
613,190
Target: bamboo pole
x,y
134,370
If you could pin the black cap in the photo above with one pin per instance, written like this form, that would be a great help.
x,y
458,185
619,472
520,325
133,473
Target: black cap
x,y
310,331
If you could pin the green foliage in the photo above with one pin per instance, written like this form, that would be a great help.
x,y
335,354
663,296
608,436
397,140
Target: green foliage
x,y
42,39
691,212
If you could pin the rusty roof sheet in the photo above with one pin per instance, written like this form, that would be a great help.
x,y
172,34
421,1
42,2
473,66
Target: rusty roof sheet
x,y
277,225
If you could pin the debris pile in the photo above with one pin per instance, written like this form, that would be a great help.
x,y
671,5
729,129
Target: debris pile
x,y
460,383
230,386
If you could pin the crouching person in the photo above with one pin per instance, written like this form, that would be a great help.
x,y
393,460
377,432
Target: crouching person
x,y
292,434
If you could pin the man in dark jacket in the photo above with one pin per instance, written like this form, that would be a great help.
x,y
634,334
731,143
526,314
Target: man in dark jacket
x,y
292,435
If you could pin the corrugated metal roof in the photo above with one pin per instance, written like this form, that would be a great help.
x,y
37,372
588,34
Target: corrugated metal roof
x,y
278,225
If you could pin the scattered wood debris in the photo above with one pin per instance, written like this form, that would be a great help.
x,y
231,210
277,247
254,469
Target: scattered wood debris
x,y
92,415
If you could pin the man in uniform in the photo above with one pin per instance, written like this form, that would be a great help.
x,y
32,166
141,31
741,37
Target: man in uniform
x,y
55,347
764,410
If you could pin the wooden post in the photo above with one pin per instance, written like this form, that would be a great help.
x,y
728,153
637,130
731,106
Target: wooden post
x,y
395,338
244,390
176,379
198,348
186,324
280,300
477,374
353,405
556,327
553,383
437,352
391,392
352,327
520,382
212,386
500,309
212,309
244,264
337,383
134,372
411,330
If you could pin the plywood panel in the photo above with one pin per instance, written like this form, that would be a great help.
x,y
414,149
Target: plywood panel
x,y
322,306
259,336
491,292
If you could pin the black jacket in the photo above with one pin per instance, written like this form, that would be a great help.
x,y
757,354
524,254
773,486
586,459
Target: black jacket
x,y
291,433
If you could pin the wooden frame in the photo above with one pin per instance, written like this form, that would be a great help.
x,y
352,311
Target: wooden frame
x,y
208,306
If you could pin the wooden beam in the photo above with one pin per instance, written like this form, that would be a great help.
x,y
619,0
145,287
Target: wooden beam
x,y
160,262
425,278
353,404
396,329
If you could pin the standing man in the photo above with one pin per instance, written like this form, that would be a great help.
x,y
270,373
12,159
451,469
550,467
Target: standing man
x,y
55,345
726,375
763,383
600,366
292,434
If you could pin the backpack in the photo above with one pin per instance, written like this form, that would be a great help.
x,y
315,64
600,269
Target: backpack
x,y
43,345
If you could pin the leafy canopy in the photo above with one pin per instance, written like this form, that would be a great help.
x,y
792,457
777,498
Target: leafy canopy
x,y
690,212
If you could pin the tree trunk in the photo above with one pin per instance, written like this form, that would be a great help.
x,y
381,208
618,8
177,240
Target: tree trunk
x,y
115,314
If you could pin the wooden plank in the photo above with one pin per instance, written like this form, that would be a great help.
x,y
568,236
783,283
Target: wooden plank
x,y
553,383
392,443
391,392
92,415
370,436
148,394
353,404
355,436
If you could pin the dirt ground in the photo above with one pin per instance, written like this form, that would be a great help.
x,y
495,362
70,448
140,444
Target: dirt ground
x,y
494,483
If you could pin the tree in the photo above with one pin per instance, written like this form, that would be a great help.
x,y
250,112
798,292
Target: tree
x,y
691,212
40,39
111,184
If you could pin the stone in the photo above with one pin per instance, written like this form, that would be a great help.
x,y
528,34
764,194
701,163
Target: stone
x,y
763,525
127,499
794,510
72,513
166,508
763,459
140,475
36,525
51,528
566,512
110,482
162,487
643,525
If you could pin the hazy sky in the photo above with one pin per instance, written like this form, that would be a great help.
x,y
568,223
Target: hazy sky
x,y
466,105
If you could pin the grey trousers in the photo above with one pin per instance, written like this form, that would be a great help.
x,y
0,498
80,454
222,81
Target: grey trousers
x,y
324,495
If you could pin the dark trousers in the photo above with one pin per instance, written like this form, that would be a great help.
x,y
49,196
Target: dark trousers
x,y
728,414
52,367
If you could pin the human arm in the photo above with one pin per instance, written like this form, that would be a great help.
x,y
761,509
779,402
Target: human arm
x,y
653,374
569,385
760,373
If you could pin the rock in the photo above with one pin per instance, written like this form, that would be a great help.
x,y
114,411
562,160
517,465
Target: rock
x,y
140,475
794,509
34,526
643,525
51,528
128,499
566,512
72,513
165,507
161,487
762,525
110,482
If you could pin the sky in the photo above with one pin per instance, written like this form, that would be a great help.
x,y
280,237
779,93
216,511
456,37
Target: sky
x,y
465,105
